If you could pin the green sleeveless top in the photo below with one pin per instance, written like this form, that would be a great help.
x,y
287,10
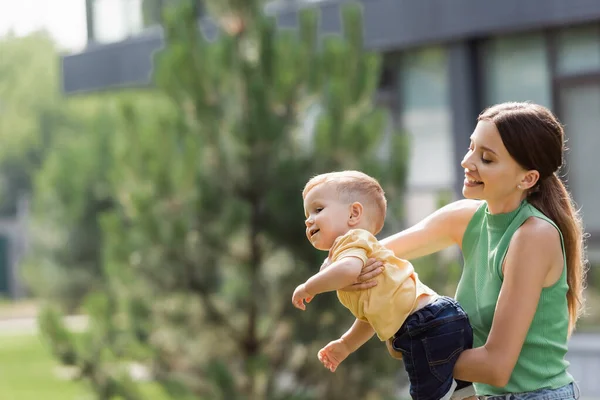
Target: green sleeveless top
x,y
541,363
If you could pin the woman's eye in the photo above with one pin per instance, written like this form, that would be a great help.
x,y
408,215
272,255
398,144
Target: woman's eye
x,y
485,161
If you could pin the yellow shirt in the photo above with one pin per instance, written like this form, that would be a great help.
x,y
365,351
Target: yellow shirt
x,y
387,305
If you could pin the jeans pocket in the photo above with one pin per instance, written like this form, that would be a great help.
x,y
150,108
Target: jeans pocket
x,y
442,352
401,344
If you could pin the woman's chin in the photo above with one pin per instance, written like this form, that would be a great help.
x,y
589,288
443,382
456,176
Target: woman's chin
x,y
472,193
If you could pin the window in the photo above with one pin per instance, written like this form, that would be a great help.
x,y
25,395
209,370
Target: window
x,y
516,68
577,68
426,118
578,50
581,117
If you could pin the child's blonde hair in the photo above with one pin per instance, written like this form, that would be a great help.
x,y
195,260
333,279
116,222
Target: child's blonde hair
x,y
354,186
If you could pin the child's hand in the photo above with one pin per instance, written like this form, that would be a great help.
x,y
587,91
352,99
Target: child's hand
x,y
300,295
333,354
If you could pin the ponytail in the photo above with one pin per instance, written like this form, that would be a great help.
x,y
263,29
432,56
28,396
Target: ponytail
x,y
555,202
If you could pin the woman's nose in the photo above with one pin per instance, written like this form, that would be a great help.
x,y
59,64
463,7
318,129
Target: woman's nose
x,y
466,162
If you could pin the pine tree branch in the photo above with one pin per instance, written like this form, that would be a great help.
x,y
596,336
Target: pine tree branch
x,y
255,261
213,312
201,289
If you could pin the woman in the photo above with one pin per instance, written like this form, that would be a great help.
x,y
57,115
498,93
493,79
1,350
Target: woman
x,y
522,242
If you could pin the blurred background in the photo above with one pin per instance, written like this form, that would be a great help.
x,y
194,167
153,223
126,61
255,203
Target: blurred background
x,y
153,156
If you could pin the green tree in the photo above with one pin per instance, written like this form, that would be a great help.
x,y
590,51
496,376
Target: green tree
x,y
71,191
206,242
28,112
54,147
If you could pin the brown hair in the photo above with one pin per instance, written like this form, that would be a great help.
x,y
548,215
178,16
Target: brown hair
x,y
535,139
354,186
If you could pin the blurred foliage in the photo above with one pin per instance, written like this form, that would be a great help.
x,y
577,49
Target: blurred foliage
x,y
177,212
72,191
51,326
54,147
29,112
197,188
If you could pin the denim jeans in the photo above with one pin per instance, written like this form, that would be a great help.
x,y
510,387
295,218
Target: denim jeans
x,y
430,340
567,392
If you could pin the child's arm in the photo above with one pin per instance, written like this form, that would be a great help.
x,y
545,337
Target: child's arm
x,y
359,333
325,264
335,352
336,276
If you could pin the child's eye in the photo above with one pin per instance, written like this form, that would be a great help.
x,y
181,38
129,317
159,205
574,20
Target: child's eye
x,y
319,209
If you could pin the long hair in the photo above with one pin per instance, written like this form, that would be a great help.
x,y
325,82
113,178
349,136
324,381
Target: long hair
x,y
535,139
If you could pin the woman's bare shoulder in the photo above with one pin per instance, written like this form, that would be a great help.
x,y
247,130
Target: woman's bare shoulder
x,y
465,204
457,215
461,210
537,233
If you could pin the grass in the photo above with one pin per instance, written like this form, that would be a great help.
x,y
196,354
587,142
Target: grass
x,y
28,372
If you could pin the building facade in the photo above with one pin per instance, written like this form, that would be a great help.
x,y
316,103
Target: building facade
x,y
445,61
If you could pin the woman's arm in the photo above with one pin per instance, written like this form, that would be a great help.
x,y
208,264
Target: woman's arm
x,y
535,251
441,229
436,232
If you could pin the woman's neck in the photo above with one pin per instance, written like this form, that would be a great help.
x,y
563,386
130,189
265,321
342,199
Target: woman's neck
x,y
505,205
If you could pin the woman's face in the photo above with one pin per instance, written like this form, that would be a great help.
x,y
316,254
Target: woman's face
x,y
491,174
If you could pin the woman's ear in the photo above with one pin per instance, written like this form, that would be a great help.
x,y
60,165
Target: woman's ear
x,y
530,179
356,212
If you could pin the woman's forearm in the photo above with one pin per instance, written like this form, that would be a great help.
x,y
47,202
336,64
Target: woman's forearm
x,y
442,229
479,365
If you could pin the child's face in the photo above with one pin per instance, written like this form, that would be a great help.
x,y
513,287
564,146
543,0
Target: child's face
x,y
326,216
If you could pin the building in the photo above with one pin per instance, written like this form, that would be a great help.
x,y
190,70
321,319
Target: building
x,y
445,60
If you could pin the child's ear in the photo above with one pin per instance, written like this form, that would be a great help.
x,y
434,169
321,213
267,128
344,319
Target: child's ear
x,y
356,211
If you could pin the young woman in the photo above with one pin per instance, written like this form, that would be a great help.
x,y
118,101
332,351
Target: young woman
x,y
522,242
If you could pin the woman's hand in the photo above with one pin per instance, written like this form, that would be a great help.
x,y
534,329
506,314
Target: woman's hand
x,y
371,269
